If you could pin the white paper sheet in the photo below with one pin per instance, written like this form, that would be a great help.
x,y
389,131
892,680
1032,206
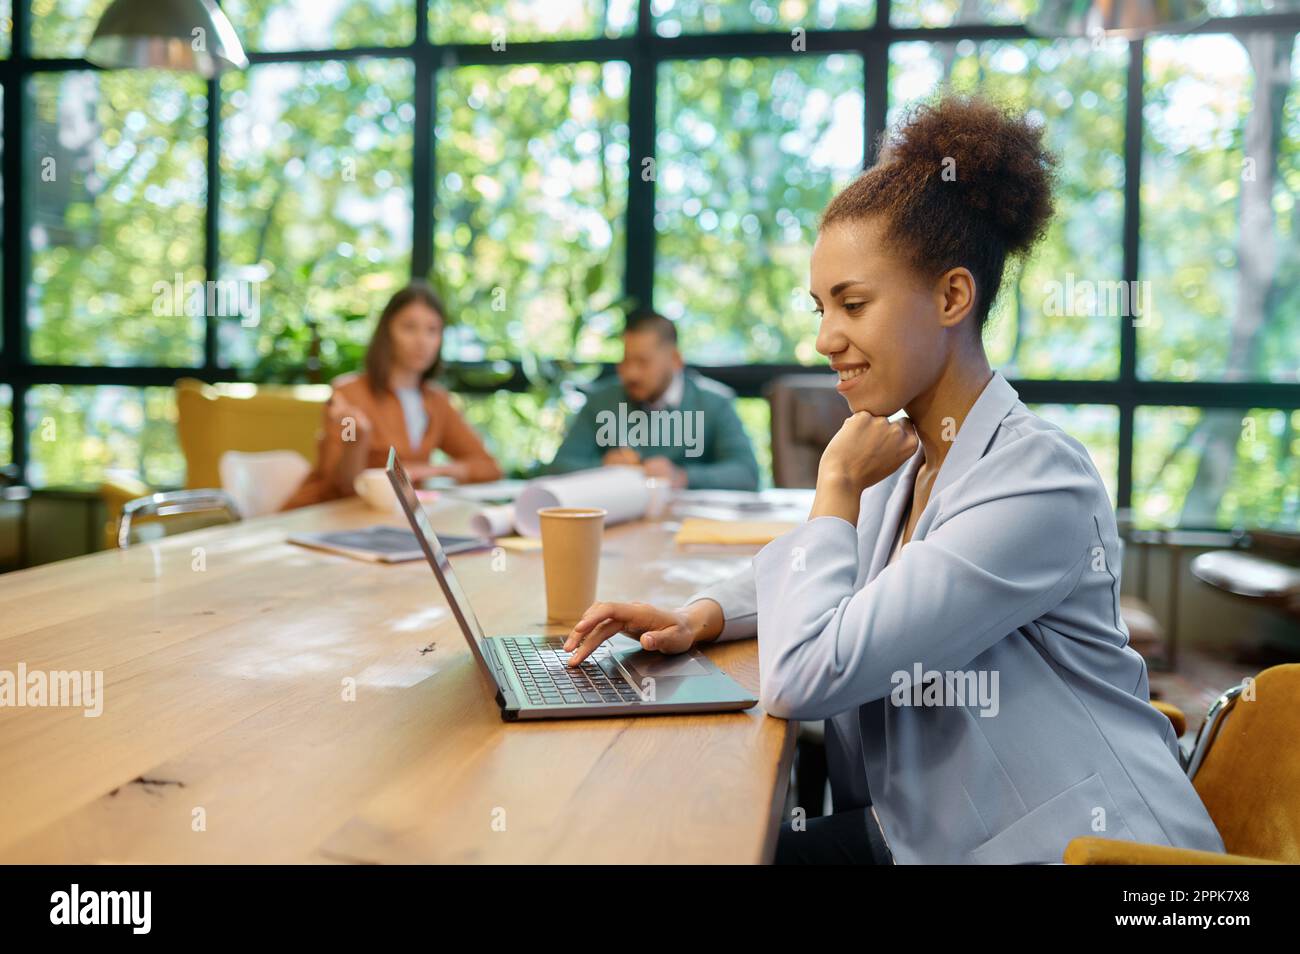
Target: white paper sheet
x,y
621,491
494,492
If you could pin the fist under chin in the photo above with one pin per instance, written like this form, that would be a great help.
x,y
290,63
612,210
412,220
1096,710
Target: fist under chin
x,y
874,407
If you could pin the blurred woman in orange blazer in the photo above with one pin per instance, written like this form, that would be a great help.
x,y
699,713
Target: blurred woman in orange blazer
x,y
394,403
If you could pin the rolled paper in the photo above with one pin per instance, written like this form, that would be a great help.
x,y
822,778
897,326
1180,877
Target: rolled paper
x,y
494,522
620,491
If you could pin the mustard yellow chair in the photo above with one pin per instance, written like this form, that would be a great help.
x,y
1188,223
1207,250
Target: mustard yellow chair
x,y
215,418
1246,768
135,513
154,516
118,489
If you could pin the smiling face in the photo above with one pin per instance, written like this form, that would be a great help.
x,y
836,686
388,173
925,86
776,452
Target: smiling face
x,y
416,333
887,330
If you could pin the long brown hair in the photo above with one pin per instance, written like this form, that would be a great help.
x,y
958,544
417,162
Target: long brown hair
x,y
379,354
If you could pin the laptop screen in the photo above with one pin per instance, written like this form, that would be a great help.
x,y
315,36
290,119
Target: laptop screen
x,y
433,552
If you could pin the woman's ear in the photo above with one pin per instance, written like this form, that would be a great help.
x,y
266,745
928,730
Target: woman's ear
x,y
957,291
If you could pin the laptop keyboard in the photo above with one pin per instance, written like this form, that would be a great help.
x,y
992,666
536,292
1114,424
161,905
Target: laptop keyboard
x,y
548,680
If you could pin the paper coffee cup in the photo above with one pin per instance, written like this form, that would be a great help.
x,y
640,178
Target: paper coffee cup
x,y
570,560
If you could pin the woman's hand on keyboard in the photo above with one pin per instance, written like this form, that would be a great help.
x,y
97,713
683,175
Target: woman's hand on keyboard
x,y
666,631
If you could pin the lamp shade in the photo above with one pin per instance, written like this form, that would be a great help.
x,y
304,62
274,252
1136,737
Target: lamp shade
x,y
191,36
1126,18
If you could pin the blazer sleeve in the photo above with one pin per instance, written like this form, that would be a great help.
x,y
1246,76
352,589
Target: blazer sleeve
x,y
738,598
329,444
731,464
1009,545
318,486
461,444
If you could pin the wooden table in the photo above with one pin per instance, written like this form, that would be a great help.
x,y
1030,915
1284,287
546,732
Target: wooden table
x,y
229,734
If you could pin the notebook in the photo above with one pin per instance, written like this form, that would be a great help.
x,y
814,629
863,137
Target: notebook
x,y
382,544
731,532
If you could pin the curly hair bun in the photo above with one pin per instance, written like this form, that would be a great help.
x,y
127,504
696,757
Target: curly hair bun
x,y
994,158
962,182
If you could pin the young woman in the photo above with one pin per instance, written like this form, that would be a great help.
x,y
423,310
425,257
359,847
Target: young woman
x,y
393,403
951,607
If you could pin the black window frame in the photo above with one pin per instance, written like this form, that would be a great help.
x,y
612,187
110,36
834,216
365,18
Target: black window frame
x,y
643,50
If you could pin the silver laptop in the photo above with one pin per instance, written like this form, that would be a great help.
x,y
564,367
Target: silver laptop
x,y
532,678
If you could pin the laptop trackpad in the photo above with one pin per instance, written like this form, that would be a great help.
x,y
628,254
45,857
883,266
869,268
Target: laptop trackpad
x,y
659,666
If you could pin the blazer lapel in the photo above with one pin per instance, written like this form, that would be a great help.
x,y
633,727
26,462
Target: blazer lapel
x,y
972,441
898,496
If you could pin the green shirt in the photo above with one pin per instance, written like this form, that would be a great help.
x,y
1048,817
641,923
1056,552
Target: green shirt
x,y
702,435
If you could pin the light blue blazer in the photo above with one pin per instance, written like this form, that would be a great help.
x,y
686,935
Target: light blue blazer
x,y
981,686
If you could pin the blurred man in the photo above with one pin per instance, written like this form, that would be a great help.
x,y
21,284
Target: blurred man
x,y
671,421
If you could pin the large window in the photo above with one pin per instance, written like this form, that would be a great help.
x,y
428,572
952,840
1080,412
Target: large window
x,y
315,206
1077,89
546,163
748,152
115,198
1221,162
530,200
